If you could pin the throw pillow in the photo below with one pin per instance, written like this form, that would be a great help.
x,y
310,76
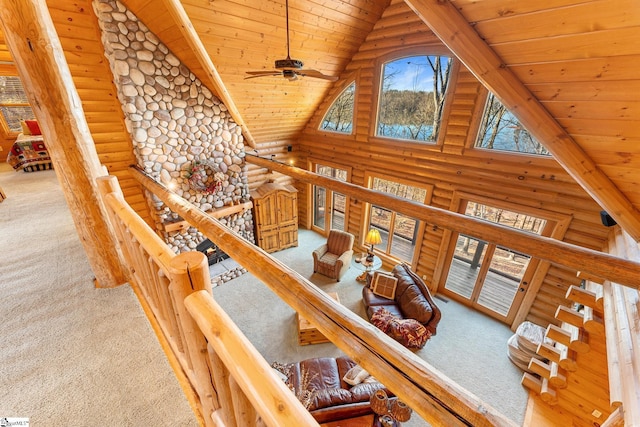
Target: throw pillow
x,y
408,332
33,127
384,285
355,375
25,128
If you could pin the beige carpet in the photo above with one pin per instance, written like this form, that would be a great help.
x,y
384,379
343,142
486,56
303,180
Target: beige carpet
x,y
71,355
469,348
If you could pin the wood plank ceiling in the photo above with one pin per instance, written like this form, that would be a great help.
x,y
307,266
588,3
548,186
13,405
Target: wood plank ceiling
x,y
244,35
579,59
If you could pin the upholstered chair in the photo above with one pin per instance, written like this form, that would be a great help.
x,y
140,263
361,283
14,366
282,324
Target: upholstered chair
x,y
333,258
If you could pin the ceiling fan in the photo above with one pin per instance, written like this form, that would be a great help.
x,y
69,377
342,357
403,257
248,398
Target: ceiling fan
x,y
289,68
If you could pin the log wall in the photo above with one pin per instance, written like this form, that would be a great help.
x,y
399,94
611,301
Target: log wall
x,y
77,27
450,166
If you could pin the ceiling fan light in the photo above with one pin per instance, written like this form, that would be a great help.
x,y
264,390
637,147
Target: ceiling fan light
x,y
290,75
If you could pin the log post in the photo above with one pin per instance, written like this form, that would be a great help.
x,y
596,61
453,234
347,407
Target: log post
x,y
468,46
189,273
34,44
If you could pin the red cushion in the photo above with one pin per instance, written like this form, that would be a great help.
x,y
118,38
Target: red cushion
x,y
33,127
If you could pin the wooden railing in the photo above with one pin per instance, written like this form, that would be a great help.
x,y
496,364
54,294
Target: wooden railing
x,y
436,398
622,327
233,384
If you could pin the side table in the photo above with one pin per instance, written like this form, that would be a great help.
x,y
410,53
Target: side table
x,y
361,263
307,333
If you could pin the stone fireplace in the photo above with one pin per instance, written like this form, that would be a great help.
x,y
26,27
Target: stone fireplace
x,y
175,122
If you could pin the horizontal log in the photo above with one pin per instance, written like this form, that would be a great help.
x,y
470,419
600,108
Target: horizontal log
x,y
565,314
435,397
593,322
581,296
487,64
253,375
604,265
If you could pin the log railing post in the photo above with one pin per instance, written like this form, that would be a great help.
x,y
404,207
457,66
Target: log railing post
x,y
189,273
31,36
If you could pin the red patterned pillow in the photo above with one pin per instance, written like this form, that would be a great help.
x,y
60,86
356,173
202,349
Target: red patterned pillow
x,y
33,126
408,332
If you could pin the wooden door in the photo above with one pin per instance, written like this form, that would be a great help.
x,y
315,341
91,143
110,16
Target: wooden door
x,y
287,219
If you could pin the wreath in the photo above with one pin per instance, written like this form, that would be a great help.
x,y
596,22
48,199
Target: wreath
x,y
204,176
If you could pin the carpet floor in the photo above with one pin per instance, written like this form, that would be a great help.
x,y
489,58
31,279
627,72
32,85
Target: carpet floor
x,y
71,354
470,347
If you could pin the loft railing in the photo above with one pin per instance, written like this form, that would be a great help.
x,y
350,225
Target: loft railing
x,y
434,397
234,386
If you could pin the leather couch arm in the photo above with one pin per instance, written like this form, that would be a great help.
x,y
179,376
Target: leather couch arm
x,y
436,313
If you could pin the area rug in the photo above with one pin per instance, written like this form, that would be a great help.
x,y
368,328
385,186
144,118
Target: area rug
x,y
71,354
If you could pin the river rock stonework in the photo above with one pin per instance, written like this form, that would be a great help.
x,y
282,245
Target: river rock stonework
x,y
174,120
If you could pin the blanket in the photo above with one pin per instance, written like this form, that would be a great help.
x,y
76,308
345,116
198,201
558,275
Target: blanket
x,y
29,154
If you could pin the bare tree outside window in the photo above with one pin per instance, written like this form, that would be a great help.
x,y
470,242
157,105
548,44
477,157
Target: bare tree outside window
x,y
502,131
339,117
412,96
398,232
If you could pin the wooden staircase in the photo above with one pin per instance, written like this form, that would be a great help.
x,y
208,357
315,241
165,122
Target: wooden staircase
x,y
574,377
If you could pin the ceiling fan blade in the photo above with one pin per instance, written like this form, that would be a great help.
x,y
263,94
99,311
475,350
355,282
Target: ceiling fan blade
x,y
316,74
254,74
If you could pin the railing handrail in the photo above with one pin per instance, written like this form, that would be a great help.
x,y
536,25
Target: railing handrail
x,y
273,400
166,280
431,394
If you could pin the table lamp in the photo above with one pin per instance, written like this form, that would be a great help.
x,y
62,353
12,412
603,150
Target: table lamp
x,y
373,238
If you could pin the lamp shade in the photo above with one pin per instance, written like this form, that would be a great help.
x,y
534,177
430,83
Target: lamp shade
x,y
373,237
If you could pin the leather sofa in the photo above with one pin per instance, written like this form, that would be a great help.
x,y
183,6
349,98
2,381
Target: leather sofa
x,y
332,398
412,299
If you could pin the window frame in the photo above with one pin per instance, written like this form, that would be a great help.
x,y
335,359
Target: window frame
x,y
366,216
423,50
332,102
312,164
313,127
476,127
6,131
556,227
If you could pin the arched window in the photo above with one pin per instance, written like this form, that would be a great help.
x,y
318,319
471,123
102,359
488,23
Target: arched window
x,y
339,117
502,131
412,95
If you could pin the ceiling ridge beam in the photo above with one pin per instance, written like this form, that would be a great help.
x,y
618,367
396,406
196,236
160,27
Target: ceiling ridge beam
x,y
187,30
466,44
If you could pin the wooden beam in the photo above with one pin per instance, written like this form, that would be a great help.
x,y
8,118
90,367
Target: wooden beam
x,y
438,399
190,35
545,248
460,37
40,60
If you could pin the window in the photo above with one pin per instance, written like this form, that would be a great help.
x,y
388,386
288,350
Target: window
x,y
502,131
339,118
399,232
412,94
14,105
329,207
488,277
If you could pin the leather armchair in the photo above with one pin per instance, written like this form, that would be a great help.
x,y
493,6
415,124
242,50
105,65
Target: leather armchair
x,y
332,398
333,258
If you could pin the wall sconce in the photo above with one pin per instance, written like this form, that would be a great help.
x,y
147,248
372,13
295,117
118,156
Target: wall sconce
x,y
373,238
